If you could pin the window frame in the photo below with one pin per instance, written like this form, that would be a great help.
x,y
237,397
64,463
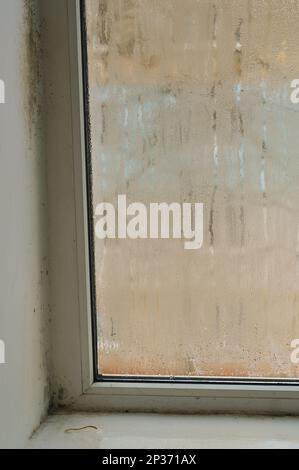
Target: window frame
x,y
77,381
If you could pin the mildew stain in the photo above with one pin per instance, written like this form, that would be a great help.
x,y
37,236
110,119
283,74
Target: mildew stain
x,y
31,73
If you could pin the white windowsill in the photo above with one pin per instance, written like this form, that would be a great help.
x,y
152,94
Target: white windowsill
x,y
165,431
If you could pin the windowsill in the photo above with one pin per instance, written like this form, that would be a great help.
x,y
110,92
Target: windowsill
x,y
114,430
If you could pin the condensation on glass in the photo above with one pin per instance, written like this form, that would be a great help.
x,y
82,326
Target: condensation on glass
x,y
190,102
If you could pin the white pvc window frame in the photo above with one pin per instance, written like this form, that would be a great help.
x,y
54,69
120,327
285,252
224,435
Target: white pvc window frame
x,y
72,337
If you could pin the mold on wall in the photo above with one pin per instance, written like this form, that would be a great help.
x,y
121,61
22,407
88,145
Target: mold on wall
x,y
24,302
32,64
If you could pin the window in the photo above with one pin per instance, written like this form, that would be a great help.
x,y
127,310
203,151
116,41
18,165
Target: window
x,y
180,319
189,102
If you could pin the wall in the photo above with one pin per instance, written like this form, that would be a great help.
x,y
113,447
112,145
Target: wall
x,y
24,309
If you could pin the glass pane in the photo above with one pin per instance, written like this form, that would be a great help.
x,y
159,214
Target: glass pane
x,y
190,103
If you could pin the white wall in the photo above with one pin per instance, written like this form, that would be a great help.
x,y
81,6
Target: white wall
x,y
24,308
